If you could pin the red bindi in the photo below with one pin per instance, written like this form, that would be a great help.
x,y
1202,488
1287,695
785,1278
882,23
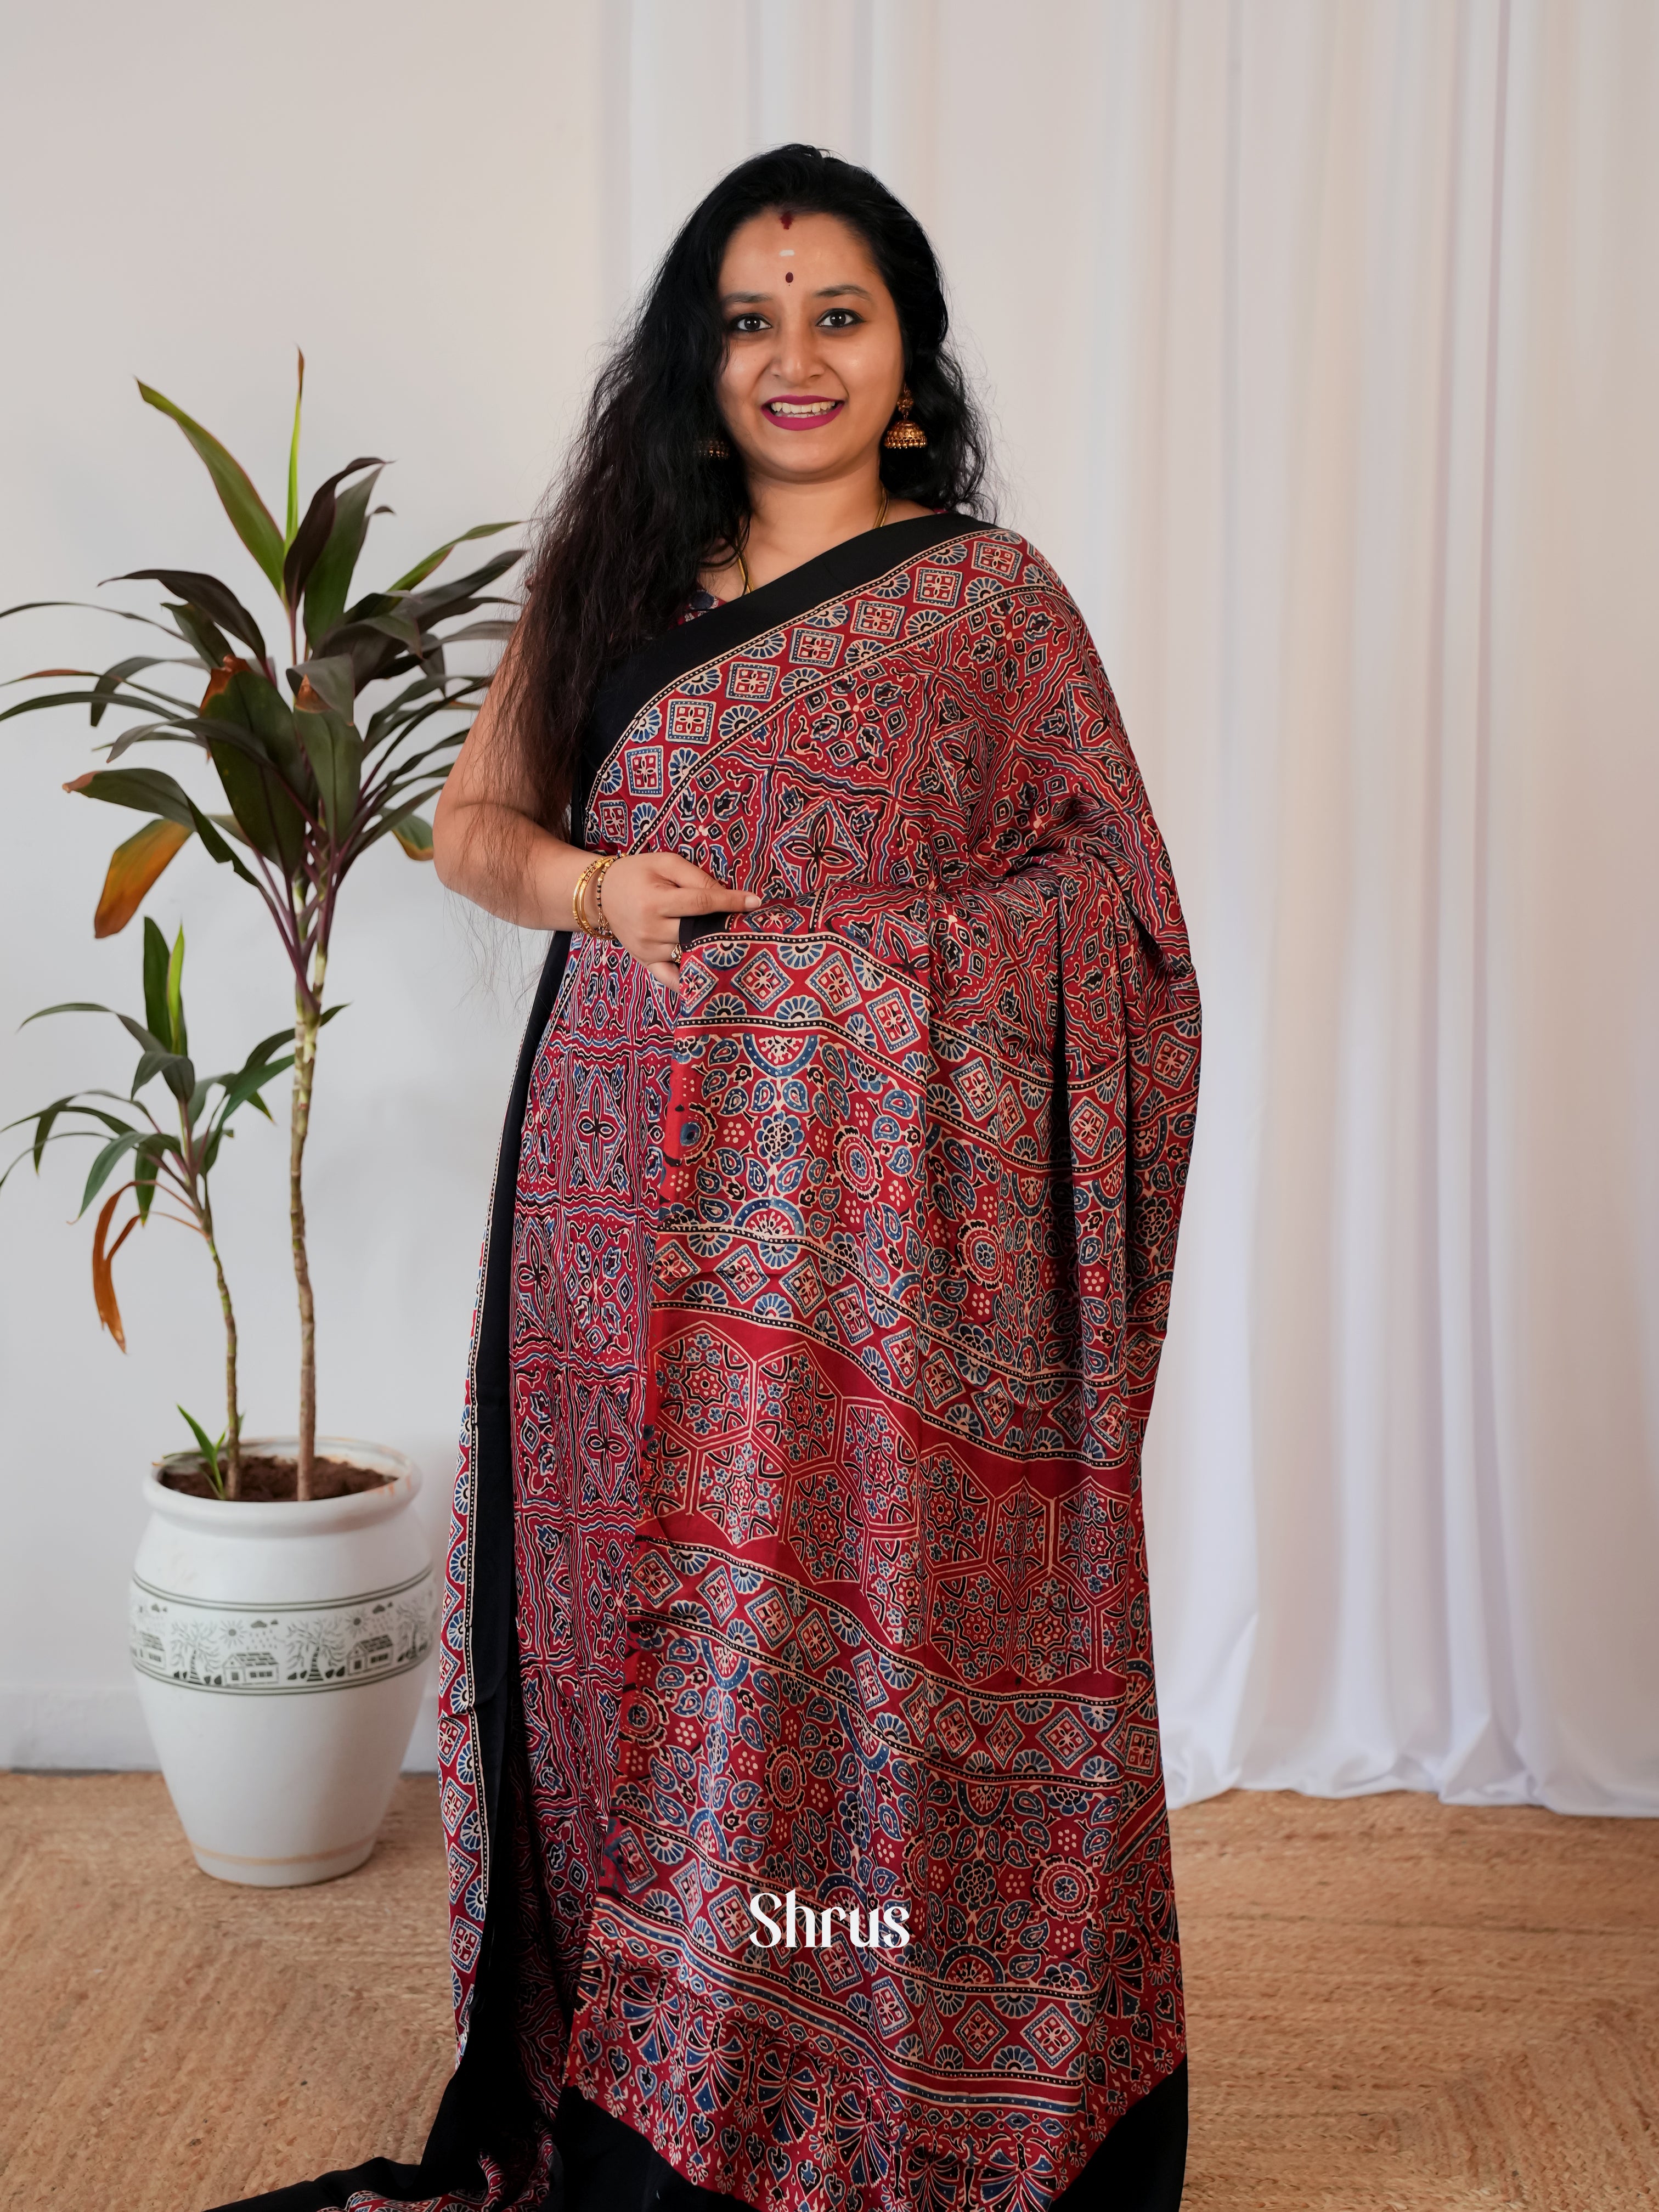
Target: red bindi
x,y
788,275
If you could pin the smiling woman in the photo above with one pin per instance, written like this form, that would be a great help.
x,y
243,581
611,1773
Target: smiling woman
x,y
811,381
796,1546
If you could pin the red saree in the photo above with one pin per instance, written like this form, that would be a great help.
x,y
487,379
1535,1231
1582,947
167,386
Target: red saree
x,y
818,1371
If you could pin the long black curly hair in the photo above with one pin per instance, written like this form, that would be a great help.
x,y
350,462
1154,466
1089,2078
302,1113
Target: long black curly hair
x,y
638,509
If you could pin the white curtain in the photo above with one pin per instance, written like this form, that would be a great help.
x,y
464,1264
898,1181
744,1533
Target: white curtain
x,y
1323,343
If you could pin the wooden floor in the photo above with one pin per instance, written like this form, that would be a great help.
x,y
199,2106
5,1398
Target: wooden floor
x,y
1394,2006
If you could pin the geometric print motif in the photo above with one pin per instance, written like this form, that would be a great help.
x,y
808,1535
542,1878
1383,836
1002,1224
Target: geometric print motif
x,y
581,1268
838,1297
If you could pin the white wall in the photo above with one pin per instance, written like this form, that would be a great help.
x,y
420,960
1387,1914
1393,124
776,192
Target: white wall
x,y
190,191
1323,343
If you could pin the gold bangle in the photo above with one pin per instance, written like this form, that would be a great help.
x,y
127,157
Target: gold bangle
x,y
599,875
592,877
579,894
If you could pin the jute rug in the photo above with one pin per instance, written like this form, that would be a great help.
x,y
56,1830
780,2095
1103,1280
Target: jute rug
x,y
1394,2006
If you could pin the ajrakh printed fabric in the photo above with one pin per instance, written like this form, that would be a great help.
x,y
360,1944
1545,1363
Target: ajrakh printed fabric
x,y
839,1290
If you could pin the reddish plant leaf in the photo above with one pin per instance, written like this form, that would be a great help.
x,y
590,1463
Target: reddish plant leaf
x,y
103,1280
133,867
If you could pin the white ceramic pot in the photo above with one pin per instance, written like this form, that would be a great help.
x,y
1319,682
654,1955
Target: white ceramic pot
x,y
279,1652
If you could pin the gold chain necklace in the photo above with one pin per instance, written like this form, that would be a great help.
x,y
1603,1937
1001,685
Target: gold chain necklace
x,y
881,517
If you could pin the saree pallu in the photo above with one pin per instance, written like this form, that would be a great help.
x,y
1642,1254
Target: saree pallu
x,y
797,1546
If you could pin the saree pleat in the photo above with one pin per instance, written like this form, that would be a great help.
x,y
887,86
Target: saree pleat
x,y
835,1290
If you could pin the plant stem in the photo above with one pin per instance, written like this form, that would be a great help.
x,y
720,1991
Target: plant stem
x,y
308,1016
232,1419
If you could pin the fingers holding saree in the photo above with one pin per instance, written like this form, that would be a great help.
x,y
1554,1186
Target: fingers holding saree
x,y
646,895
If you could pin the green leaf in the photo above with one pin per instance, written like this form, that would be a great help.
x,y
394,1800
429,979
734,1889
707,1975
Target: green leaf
x,y
209,642
414,833
331,680
104,1166
267,800
446,599
94,607
335,753
208,597
402,627
208,1450
497,632
44,1133
75,1103
216,847
144,1172
173,729
150,790
113,677
44,1117
294,457
244,1089
155,981
178,1073
315,531
330,579
417,701
460,595
374,655
374,649
423,569
247,701
144,698
262,1051
175,995
69,1006
392,820
249,518
43,1127
47,699
145,1038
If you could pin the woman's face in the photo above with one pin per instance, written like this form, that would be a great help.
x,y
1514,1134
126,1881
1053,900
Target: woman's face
x,y
814,357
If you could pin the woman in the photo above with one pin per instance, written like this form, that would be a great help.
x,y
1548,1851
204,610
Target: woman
x,y
800,1756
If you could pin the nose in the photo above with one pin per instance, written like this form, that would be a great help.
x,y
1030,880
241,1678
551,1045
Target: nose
x,y
798,358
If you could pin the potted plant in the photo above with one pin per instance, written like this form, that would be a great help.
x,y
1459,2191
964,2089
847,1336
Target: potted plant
x,y
283,1602
177,1167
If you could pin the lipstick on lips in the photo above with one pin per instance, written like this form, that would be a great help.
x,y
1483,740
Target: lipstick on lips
x,y
802,411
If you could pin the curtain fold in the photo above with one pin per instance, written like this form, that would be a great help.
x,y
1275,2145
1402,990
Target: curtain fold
x,y
1322,344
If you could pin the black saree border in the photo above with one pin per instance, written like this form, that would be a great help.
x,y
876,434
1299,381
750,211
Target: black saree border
x,y
492,1597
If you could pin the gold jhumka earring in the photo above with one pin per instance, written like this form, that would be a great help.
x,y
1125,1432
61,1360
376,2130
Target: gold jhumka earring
x,y
714,449
901,433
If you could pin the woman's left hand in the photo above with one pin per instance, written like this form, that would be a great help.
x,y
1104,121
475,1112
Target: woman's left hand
x,y
644,896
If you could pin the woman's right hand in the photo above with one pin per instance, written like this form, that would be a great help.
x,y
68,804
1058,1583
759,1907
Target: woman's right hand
x,y
645,894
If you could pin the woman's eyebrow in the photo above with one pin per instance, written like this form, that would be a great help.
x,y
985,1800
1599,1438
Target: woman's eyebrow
x,y
834,291
742,299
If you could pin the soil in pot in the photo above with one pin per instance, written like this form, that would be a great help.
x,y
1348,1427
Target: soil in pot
x,y
268,1481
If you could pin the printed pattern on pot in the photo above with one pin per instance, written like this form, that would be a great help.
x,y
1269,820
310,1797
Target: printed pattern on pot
x,y
253,1649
